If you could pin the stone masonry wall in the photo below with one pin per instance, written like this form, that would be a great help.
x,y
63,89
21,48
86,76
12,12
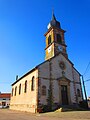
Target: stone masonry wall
x,y
25,101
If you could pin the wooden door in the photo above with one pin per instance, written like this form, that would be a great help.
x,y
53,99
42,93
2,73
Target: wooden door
x,y
64,95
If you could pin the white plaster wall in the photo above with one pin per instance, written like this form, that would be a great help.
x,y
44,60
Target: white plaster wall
x,y
78,87
44,71
57,73
56,92
72,92
43,99
78,84
76,76
44,79
56,70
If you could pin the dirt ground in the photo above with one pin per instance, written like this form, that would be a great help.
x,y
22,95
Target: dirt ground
x,y
6,114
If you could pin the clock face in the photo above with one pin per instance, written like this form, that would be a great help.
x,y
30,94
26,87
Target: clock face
x,y
49,25
60,48
49,49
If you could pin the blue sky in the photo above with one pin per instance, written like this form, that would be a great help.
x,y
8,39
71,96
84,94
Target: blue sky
x,y
22,42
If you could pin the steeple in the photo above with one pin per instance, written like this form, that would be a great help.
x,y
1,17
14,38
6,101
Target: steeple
x,y
54,22
55,42
53,16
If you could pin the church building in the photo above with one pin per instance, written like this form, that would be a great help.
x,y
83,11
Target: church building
x,y
51,84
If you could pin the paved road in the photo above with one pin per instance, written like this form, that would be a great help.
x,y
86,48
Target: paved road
x,y
6,114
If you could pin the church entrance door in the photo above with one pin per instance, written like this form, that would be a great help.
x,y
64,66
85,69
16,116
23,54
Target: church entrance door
x,y
64,94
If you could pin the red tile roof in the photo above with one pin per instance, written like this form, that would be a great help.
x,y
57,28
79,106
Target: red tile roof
x,y
5,95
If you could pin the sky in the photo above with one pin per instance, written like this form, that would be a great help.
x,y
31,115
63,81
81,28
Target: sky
x,y
22,42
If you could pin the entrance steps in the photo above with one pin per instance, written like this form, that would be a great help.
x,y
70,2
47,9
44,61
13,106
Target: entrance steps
x,y
64,108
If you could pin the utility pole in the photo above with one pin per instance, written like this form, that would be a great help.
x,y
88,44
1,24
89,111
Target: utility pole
x,y
84,91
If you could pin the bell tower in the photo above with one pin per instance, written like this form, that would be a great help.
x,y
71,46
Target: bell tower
x,y
55,42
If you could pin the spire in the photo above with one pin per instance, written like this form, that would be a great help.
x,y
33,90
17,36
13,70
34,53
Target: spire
x,y
53,22
53,16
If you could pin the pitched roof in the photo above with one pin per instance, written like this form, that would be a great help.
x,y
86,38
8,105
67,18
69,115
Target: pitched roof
x,y
41,64
5,95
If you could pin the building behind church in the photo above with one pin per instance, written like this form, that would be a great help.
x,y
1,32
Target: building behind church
x,y
5,100
53,83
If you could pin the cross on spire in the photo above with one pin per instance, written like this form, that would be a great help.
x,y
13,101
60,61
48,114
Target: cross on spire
x,y
53,16
54,22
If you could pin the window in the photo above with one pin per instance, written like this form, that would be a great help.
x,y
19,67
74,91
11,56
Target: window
x,y
78,93
25,89
12,91
49,39
44,90
15,90
19,89
4,99
59,39
32,83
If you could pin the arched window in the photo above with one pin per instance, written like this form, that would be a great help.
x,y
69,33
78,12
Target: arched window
x,y
49,39
25,89
59,40
43,90
32,83
19,89
78,93
15,90
12,91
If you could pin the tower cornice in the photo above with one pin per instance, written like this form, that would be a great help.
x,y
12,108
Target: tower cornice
x,y
54,42
53,28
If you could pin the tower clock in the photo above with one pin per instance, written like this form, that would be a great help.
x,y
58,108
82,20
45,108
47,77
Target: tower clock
x,y
55,42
